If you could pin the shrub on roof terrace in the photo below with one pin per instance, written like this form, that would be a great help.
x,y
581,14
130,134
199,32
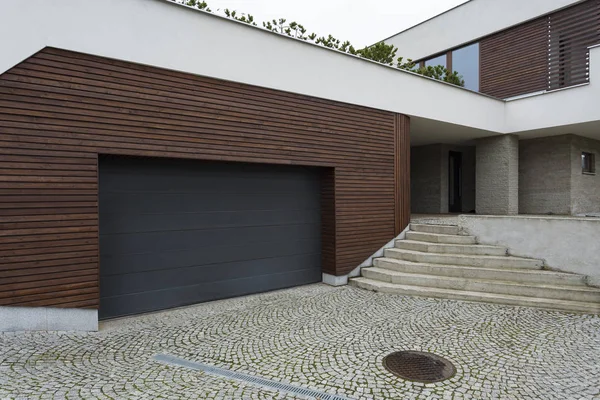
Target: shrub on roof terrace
x,y
380,52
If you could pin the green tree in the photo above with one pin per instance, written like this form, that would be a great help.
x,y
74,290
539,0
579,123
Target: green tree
x,y
441,73
247,18
200,5
438,72
293,29
380,52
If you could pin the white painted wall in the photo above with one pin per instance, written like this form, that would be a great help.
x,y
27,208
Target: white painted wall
x,y
565,244
468,22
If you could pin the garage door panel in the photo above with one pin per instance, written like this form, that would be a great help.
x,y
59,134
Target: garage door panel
x,y
125,203
178,232
151,260
181,296
138,222
212,179
131,243
156,280
206,184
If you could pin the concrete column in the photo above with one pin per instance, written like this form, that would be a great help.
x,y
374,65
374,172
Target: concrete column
x,y
497,175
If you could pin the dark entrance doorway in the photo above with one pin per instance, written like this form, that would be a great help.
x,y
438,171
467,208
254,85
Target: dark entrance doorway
x,y
455,182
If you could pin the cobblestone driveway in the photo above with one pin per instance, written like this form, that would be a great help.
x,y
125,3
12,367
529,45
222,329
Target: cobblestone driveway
x,y
331,339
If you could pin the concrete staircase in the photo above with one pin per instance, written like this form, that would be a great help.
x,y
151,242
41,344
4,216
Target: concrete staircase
x,y
436,261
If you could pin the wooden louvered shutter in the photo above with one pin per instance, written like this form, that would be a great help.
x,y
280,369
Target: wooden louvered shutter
x,y
570,33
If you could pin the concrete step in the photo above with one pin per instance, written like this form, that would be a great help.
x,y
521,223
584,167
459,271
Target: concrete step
x,y
440,238
463,271
469,249
460,259
567,292
440,229
409,290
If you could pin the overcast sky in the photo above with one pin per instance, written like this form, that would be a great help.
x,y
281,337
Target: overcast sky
x,y
362,22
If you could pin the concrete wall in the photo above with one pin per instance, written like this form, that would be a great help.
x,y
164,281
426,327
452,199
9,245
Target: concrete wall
x,y
585,189
565,244
545,175
14,319
425,179
468,22
429,178
497,175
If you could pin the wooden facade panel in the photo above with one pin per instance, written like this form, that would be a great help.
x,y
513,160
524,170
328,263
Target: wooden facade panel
x,y
180,82
402,173
328,221
59,110
134,97
571,32
548,53
515,61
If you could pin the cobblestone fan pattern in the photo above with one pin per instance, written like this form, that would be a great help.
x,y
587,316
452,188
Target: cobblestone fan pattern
x,y
324,338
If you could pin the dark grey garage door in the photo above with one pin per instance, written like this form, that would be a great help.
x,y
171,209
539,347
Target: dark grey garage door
x,y
175,232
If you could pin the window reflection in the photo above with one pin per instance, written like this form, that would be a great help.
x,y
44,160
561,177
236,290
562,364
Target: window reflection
x,y
439,60
465,61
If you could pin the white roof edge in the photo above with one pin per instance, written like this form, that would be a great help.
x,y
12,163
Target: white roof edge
x,y
468,22
306,42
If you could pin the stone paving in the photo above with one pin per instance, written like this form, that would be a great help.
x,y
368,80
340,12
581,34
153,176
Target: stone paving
x,y
324,338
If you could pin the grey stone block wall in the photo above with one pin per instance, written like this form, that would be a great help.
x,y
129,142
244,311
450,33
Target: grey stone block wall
x,y
429,178
425,176
545,175
551,179
585,189
497,175
505,176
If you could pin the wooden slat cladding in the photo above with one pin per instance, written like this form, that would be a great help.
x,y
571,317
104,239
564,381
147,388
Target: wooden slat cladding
x,y
59,110
402,172
328,246
571,32
515,61
548,53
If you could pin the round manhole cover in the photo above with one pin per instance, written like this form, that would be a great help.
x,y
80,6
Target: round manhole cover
x,y
419,367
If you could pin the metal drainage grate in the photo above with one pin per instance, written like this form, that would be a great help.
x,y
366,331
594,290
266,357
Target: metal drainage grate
x,y
417,366
267,383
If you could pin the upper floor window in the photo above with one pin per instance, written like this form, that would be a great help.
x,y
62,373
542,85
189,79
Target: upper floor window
x,y
465,61
416,66
439,60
